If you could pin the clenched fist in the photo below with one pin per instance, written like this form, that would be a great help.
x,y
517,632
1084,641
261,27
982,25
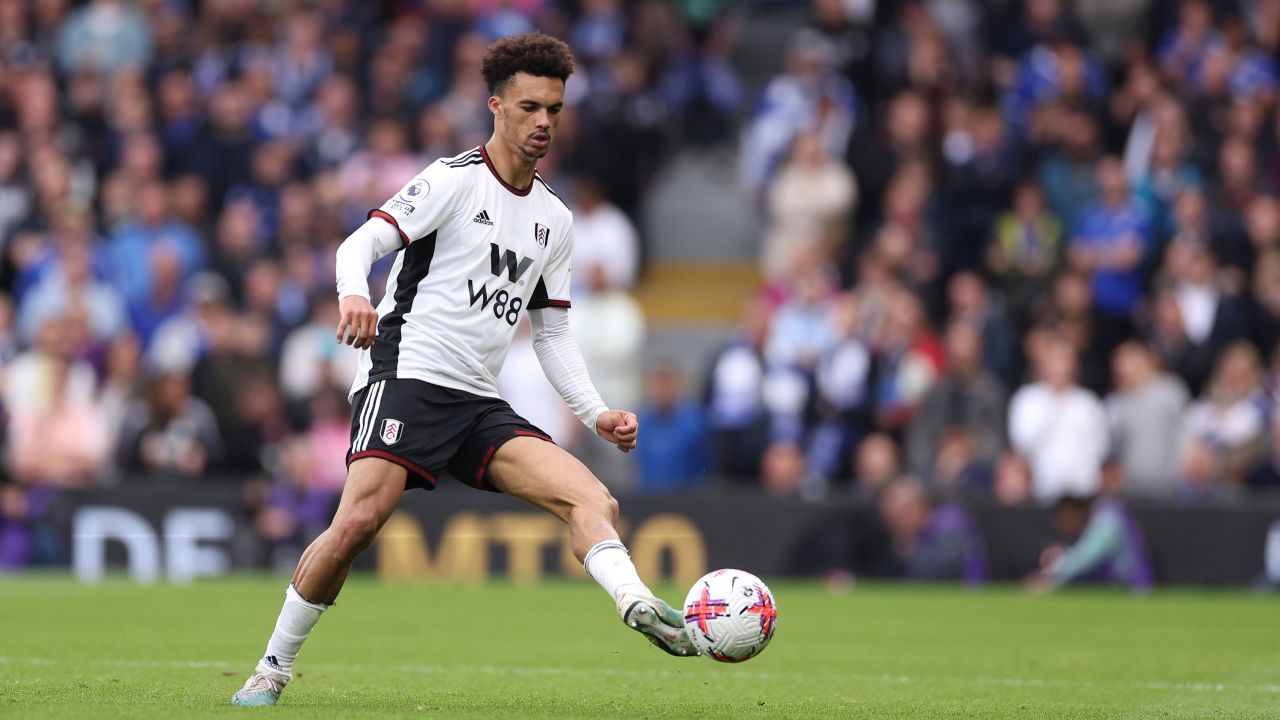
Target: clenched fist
x,y
619,427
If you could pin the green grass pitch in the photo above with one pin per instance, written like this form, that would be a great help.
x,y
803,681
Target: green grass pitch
x,y
557,650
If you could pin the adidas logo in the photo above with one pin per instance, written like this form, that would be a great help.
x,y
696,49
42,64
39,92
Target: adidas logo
x,y
482,218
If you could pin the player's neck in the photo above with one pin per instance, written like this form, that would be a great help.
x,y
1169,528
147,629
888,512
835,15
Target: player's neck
x,y
512,167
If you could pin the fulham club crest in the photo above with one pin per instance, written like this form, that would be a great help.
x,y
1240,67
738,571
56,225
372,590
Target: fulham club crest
x,y
391,430
541,233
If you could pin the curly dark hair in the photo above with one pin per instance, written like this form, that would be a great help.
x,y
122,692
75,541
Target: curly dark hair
x,y
531,53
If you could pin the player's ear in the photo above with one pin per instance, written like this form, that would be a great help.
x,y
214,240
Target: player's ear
x,y
495,105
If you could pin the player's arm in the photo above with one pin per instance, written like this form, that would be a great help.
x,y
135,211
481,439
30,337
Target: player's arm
x,y
356,255
562,362
420,208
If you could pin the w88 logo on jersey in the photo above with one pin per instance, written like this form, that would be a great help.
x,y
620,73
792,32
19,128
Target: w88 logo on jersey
x,y
505,306
502,264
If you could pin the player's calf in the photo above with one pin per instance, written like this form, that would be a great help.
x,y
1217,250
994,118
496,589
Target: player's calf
x,y
550,478
373,488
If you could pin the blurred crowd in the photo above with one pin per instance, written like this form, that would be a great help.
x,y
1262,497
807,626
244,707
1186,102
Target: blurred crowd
x,y
1012,250
1015,251
174,180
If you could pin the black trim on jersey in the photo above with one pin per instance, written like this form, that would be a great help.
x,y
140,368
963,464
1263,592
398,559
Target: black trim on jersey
x,y
510,188
386,346
538,177
376,213
539,299
470,158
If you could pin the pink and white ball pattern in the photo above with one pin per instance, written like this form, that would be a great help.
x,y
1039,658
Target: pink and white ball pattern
x,y
730,615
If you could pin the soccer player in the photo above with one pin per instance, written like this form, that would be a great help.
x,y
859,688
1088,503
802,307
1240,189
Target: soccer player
x,y
481,240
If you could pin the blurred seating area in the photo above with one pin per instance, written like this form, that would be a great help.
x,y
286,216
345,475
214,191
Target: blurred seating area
x,y
175,178
1014,250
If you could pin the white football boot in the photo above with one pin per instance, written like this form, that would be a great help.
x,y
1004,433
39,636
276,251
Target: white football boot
x,y
262,688
662,624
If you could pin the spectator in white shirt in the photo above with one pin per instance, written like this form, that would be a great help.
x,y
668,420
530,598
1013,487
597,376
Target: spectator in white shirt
x,y
605,239
1058,427
523,384
810,203
610,328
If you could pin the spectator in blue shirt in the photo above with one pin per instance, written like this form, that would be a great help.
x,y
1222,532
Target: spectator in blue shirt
x,y
106,35
809,96
1110,242
1253,75
1184,48
673,456
128,251
1056,70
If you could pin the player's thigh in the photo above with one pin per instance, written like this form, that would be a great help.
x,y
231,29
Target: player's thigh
x,y
544,474
373,489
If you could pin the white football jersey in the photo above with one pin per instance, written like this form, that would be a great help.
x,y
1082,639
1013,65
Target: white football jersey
x,y
477,254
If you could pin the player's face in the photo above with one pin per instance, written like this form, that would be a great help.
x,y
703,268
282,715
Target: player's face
x,y
527,113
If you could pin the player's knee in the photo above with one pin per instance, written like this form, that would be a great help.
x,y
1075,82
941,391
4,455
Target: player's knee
x,y
612,509
604,504
356,531
592,504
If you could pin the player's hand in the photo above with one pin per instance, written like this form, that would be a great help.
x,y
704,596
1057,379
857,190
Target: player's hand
x,y
618,427
359,322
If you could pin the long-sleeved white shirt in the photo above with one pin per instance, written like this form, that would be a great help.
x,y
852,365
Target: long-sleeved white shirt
x,y
477,255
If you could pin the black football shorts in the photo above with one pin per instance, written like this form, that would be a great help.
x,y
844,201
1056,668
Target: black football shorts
x,y
429,430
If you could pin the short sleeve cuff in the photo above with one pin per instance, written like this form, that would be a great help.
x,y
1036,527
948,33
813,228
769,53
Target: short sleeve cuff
x,y
384,215
538,304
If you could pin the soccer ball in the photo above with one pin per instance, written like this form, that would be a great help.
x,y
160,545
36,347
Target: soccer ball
x,y
730,615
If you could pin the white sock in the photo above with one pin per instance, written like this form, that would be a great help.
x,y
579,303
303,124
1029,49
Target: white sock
x,y
609,564
297,617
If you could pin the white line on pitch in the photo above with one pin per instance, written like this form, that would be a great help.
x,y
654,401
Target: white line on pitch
x,y
887,678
